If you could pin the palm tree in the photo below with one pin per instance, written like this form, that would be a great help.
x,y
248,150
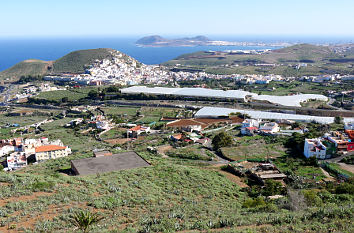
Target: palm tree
x,y
84,220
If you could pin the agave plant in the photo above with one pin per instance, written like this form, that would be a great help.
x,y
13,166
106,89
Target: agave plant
x,y
84,220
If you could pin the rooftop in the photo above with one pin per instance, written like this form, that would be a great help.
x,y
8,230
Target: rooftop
x,y
49,148
122,161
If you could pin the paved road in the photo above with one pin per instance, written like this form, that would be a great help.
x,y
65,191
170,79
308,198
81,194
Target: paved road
x,y
347,167
336,160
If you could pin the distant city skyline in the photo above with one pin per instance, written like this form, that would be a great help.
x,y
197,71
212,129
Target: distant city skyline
x,y
43,18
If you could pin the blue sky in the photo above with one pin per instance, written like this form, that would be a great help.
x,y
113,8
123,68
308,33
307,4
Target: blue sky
x,y
36,18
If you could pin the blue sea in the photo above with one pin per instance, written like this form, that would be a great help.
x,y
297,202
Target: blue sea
x,y
15,50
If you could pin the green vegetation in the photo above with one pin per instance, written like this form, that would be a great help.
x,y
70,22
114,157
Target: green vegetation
x,y
253,148
319,59
77,61
299,167
74,62
221,140
181,192
349,159
189,153
72,95
337,170
84,220
25,68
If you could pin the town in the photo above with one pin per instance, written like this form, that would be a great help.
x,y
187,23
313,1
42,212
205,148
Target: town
x,y
177,116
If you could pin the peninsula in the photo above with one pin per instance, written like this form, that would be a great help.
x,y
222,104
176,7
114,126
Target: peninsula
x,y
159,41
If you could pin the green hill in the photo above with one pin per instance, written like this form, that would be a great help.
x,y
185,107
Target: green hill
x,y
77,61
297,53
74,62
25,68
319,60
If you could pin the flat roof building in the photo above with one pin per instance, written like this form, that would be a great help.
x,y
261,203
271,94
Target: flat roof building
x,y
121,161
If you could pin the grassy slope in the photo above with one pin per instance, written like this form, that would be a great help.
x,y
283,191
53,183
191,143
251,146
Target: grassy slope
x,y
72,94
28,67
169,196
293,53
76,61
318,59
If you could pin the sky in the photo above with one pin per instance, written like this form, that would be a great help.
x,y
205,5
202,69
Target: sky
x,y
53,18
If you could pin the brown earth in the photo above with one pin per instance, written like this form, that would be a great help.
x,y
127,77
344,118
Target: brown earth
x,y
35,195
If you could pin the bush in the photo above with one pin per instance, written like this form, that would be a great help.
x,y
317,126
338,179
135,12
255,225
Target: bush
x,y
84,220
311,197
252,203
345,188
42,186
273,187
221,140
311,161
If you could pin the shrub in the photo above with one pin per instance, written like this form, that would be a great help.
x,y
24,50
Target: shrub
x,y
252,203
42,186
311,197
272,187
84,220
345,188
221,140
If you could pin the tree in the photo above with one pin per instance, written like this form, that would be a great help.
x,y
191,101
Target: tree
x,y
64,99
84,220
112,89
272,187
93,94
221,140
338,120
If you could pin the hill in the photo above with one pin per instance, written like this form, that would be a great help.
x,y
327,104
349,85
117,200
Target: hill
x,y
151,40
74,62
158,41
184,192
28,67
317,59
77,61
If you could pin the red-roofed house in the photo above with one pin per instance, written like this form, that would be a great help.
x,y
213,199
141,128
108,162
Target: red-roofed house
x,y
51,152
137,130
177,137
249,130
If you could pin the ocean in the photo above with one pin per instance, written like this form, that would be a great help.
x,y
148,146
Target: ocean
x,y
16,50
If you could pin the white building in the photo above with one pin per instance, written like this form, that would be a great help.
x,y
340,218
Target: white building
x,y
250,123
16,160
137,130
102,125
349,126
51,152
6,150
314,147
270,127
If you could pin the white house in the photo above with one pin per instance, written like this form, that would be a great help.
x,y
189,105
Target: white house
x,y
249,131
16,160
51,152
6,150
250,123
137,130
102,125
270,127
314,147
349,126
